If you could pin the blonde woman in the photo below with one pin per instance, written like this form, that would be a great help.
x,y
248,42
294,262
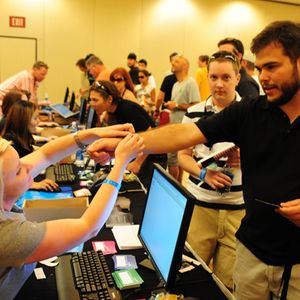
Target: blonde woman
x,y
24,243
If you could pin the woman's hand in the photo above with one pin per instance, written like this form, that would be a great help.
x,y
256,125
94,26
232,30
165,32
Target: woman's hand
x,y
101,151
291,211
217,179
46,184
130,147
120,130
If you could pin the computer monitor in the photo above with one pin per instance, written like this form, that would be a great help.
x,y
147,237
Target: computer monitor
x,y
82,111
66,96
91,118
168,210
72,102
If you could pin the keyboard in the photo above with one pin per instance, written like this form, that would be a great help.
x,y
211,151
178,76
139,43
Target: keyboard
x,y
85,275
61,173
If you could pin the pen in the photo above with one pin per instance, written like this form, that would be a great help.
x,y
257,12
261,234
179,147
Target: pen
x,y
268,203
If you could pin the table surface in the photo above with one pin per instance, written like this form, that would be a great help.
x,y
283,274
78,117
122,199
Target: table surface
x,y
197,283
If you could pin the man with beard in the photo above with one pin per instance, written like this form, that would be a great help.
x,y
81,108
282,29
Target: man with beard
x,y
267,131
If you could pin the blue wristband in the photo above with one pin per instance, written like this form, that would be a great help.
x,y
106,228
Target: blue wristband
x,y
202,174
113,183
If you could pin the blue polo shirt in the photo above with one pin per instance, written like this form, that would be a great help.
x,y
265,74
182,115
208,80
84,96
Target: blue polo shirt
x,y
270,163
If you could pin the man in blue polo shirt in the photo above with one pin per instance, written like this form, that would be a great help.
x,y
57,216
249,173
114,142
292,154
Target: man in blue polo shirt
x,y
267,131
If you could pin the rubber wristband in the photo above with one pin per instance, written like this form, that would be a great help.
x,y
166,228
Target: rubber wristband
x,y
202,174
78,141
113,183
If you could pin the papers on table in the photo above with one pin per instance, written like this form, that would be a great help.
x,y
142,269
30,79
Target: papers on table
x,y
126,236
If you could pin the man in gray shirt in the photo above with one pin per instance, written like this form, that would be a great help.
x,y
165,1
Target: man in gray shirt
x,y
185,93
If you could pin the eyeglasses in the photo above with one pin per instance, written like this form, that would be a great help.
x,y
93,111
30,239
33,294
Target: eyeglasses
x,y
118,79
141,76
225,55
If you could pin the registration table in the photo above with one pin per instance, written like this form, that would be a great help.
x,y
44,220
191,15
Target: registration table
x,y
197,283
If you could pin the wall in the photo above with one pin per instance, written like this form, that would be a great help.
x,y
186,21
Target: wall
x,y
69,29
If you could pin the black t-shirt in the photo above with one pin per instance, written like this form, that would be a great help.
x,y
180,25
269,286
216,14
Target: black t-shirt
x,y
247,85
20,149
130,112
270,164
167,86
134,74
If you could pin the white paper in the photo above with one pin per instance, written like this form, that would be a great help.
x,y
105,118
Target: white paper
x,y
39,273
126,236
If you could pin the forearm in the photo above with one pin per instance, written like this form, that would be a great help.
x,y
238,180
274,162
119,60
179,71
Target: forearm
x,y
58,149
184,106
188,164
172,138
159,100
76,231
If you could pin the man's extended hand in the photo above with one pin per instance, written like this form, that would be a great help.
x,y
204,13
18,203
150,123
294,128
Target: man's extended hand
x,y
291,211
103,150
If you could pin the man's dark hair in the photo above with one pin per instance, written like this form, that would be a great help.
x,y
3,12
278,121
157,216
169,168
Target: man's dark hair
x,y
237,44
81,63
131,56
172,55
284,33
143,61
204,58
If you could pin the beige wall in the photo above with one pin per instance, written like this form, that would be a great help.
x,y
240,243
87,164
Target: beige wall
x,y
69,29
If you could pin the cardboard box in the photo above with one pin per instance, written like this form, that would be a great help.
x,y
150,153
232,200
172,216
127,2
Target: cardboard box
x,y
45,210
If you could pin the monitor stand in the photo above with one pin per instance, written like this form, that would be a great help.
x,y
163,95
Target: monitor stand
x,y
147,264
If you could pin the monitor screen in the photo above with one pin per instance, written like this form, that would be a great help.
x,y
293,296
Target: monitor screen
x,y
72,102
91,118
82,111
165,223
63,111
66,96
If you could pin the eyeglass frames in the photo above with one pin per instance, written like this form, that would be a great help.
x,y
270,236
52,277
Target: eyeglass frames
x,y
118,79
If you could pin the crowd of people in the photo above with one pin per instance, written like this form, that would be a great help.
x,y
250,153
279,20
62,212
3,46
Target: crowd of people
x,y
251,246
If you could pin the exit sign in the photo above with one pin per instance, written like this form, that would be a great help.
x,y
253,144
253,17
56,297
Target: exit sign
x,y
17,21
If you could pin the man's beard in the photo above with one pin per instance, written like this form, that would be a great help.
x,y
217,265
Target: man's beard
x,y
288,90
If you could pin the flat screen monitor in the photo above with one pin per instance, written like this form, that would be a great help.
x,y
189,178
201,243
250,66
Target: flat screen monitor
x,y
82,111
66,96
168,210
72,102
91,118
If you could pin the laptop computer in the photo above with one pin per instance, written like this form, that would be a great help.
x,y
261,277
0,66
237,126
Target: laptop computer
x,y
63,111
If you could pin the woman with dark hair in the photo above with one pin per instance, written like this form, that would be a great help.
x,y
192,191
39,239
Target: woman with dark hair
x,y
9,99
104,97
121,78
20,125
145,92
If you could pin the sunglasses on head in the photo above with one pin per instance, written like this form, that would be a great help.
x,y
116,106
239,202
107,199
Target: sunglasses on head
x,y
99,86
223,55
118,79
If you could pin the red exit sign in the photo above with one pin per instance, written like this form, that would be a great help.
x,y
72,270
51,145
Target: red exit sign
x,y
17,21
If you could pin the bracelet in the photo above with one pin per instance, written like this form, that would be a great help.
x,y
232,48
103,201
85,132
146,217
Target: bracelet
x,y
78,141
113,183
202,174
